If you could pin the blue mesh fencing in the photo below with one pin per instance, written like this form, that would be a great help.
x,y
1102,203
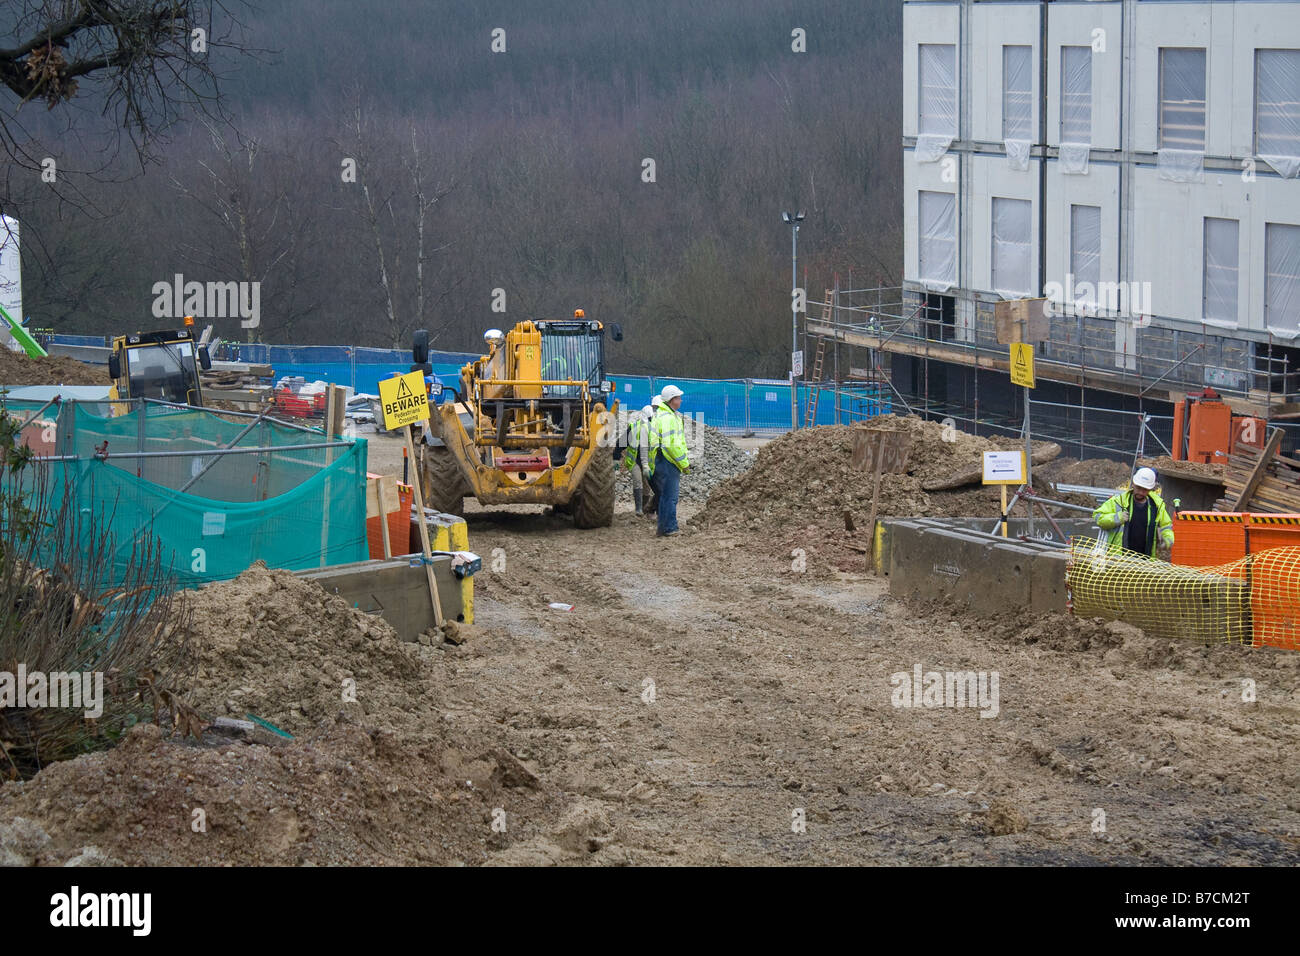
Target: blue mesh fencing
x,y
737,406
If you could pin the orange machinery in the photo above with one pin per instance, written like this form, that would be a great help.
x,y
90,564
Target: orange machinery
x,y
1205,429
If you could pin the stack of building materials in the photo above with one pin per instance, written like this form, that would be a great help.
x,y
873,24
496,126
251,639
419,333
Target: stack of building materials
x,y
1261,481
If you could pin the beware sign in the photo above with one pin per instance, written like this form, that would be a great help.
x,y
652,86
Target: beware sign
x,y
404,400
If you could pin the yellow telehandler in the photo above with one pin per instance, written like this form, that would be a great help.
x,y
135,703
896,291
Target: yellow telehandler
x,y
532,422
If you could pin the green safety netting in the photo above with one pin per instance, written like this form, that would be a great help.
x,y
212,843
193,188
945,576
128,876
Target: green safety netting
x,y
213,515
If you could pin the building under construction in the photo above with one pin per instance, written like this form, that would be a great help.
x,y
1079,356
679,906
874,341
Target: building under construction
x,y
1146,191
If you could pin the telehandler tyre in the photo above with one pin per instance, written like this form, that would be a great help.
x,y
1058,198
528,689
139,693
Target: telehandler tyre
x,y
593,503
441,481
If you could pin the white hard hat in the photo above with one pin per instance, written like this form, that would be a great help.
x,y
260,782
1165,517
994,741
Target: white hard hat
x,y
656,401
648,410
1144,478
670,392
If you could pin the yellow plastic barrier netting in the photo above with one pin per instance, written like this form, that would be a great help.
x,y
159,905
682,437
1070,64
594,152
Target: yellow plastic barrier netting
x,y
1253,600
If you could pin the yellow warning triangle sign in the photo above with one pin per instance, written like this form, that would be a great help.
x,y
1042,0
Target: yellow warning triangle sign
x,y
1022,364
403,391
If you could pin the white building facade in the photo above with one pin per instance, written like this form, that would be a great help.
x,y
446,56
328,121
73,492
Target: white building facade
x,y
1135,161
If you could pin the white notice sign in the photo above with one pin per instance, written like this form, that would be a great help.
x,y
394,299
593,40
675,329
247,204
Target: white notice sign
x,y
1004,467
214,523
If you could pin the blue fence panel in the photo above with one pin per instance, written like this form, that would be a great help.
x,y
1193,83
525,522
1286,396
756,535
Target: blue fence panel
x,y
737,406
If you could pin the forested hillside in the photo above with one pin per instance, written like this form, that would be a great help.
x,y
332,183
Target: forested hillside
x,y
520,170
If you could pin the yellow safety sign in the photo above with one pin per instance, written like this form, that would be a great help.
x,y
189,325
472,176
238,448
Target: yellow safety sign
x,y
1022,364
404,400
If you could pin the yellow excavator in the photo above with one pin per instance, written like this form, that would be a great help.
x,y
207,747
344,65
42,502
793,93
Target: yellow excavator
x,y
163,365
532,422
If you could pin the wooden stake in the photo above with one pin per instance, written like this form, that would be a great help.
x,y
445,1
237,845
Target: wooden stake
x,y
424,534
383,513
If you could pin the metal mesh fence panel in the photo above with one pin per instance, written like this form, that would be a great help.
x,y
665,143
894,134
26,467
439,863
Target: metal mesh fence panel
x,y
217,494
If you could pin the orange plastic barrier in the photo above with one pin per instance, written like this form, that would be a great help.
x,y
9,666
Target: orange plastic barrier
x,y
1271,531
1275,597
1205,538
398,523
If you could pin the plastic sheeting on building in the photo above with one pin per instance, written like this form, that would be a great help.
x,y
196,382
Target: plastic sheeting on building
x,y
937,103
1180,165
1282,279
1076,94
1182,99
1074,158
1013,248
1017,153
1017,92
1221,273
1277,110
1085,251
937,252
931,146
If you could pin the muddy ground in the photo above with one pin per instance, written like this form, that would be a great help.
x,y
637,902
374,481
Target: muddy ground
x,y
698,704
718,697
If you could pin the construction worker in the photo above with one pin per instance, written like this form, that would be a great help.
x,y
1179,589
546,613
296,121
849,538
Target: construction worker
x,y
634,459
1137,519
668,457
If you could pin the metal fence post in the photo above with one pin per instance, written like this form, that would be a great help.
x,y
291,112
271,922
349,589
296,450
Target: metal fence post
x,y
352,361
749,387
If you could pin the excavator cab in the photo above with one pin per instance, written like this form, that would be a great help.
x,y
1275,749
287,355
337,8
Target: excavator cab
x,y
163,365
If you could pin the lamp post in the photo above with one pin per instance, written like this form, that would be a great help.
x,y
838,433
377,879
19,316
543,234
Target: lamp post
x,y
792,219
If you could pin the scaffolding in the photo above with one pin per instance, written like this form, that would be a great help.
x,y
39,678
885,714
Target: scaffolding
x,y
883,323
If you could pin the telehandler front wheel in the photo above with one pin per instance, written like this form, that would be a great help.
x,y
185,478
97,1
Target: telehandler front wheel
x,y
441,481
593,503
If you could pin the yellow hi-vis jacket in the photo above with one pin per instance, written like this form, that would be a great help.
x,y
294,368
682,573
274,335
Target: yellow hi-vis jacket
x,y
1158,520
668,437
636,437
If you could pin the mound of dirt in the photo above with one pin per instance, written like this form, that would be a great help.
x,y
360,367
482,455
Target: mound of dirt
x,y
807,475
1187,467
277,646
1097,472
18,368
376,772
714,458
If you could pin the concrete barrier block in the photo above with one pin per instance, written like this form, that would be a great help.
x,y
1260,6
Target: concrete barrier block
x,y
396,591
970,571
1047,594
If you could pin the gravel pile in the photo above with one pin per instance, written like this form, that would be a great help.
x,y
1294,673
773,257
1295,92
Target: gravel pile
x,y
714,458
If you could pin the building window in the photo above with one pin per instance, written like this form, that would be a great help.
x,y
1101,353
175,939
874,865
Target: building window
x,y
1085,252
1282,278
1277,102
1182,99
1012,247
1076,94
938,90
1017,92
1219,301
938,237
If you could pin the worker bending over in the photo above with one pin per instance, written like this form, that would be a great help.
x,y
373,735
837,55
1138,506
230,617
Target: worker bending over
x,y
668,457
1137,520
